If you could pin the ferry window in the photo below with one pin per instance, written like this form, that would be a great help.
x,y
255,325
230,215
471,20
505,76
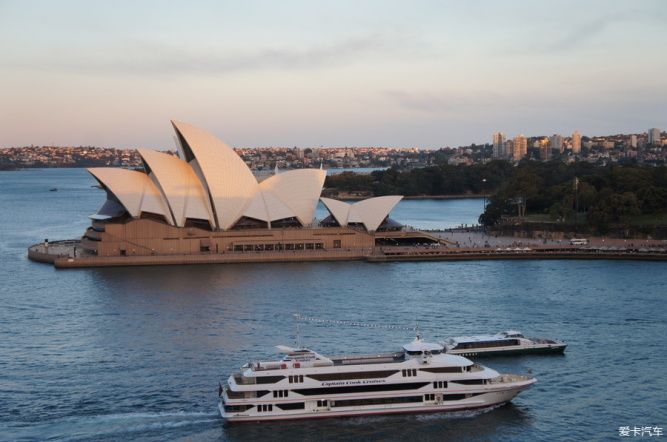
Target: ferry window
x,y
300,378
269,247
319,246
337,244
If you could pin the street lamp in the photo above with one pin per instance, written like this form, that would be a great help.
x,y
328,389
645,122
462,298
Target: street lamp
x,y
483,191
484,195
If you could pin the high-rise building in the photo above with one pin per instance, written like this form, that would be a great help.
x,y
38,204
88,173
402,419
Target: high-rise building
x,y
557,143
654,136
576,142
499,145
545,149
520,147
633,140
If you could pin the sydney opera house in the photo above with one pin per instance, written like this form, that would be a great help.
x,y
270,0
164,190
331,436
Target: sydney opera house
x,y
207,206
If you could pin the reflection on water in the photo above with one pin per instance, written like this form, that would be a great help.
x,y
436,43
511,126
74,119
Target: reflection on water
x,y
137,353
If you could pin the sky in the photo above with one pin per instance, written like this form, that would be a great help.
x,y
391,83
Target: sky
x,y
363,73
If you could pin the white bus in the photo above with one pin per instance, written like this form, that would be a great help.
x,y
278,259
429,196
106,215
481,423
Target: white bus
x,y
578,241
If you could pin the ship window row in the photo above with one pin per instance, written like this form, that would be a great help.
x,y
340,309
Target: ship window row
x,y
280,393
292,406
277,247
470,381
487,344
237,408
352,375
245,394
409,372
370,388
264,407
449,397
376,401
297,378
440,384
444,369
321,404
267,379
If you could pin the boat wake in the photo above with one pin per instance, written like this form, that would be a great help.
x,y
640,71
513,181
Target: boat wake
x,y
111,426
421,417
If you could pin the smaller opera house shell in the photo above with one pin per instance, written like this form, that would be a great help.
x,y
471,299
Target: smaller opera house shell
x,y
207,206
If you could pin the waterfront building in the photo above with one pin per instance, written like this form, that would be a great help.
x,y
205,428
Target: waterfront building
x,y
654,136
205,203
576,142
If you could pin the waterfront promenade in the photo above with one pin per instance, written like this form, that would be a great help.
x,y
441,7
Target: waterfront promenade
x,y
455,245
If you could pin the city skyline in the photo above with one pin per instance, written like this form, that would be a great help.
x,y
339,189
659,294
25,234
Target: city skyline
x,y
375,74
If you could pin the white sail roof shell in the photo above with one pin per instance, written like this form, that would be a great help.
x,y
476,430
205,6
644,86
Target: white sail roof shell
x,y
229,181
179,185
370,212
297,190
338,209
134,190
267,207
211,182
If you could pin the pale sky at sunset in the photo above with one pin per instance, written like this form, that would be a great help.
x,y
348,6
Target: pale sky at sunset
x,y
424,74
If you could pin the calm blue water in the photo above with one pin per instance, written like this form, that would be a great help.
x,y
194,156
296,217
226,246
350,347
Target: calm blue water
x,y
137,353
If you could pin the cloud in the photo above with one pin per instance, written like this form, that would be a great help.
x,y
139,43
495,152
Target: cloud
x,y
445,103
567,38
157,59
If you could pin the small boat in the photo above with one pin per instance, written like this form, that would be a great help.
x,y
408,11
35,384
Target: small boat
x,y
510,342
419,378
53,189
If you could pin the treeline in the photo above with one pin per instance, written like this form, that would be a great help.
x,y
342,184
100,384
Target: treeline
x,y
596,195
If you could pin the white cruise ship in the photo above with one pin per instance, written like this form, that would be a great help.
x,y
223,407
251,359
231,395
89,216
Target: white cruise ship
x,y
510,342
419,378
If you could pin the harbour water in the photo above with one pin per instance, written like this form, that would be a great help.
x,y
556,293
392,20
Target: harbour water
x,y
137,353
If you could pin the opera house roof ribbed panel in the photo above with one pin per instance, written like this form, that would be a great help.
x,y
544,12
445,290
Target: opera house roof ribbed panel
x,y
230,183
134,190
370,212
211,183
179,185
300,193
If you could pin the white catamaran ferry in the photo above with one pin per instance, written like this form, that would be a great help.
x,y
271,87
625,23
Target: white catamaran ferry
x,y
420,378
504,343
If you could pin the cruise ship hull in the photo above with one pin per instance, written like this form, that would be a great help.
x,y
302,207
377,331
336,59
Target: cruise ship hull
x,y
510,351
420,378
484,400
